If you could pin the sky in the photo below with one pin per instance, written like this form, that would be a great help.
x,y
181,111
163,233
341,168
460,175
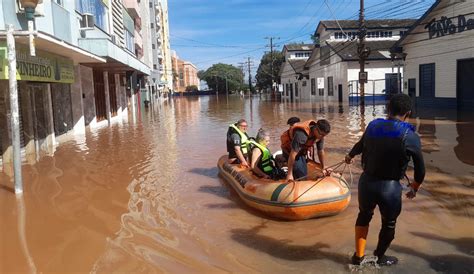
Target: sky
x,y
206,32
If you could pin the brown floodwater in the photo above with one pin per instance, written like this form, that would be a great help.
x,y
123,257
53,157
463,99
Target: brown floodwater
x,y
144,195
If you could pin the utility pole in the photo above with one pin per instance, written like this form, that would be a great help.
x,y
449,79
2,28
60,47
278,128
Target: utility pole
x,y
13,92
363,53
271,61
250,76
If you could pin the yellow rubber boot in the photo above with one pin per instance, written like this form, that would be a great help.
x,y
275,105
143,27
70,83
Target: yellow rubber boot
x,y
361,240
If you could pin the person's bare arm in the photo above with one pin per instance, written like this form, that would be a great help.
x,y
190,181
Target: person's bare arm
x,y
240,156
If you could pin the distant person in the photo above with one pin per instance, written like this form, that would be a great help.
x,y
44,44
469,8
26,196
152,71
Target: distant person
x,y
262,162
295,145
293,120
238,143
386,146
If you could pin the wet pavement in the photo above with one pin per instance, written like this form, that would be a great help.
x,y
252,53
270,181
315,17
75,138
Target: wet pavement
x,y
145,196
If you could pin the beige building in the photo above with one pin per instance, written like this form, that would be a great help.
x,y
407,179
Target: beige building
x,y
164,56
439,61
184,73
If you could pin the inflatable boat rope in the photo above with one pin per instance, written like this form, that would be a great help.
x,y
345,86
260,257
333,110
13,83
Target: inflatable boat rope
x,y
335,166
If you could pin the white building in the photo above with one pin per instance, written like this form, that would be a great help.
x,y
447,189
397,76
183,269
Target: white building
x,y
332,70
293,75
334,65
439,64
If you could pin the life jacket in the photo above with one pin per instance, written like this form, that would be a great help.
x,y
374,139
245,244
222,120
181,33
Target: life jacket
x,y
244,141
265,163
287,137
384,154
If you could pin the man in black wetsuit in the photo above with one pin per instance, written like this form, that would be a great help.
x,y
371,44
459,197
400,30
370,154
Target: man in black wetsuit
x,y
386,146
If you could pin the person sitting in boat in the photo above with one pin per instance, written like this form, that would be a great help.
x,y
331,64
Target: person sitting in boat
x,y
295,145
238,143
280,158
262,162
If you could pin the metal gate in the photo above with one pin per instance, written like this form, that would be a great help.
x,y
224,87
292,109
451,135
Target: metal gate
x,y
113,95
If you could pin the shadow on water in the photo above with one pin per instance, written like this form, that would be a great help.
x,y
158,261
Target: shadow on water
x,y
464,245
209,172
283,249
448,263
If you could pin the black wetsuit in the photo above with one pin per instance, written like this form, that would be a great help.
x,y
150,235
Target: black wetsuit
x,y
386,147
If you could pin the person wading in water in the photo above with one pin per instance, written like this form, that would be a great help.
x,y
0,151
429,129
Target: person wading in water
x,y
386,146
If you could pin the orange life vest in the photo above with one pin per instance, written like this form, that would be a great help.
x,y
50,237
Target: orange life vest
x,y
287,137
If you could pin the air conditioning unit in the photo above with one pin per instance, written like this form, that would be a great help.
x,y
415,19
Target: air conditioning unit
x,y
39,10
87,21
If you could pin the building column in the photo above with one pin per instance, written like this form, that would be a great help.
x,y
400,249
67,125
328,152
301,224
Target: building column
x,y
77,104
123,95
107,96
118,94
51,138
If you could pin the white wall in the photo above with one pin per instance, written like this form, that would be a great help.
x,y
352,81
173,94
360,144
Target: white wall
x,y
337,70
443,51
376,73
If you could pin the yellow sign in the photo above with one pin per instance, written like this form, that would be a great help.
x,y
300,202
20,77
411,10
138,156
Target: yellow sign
x,y
44,67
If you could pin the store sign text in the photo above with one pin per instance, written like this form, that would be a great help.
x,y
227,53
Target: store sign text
x,y
447,26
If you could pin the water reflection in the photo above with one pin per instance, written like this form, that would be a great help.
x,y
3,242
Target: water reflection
x,y
146,197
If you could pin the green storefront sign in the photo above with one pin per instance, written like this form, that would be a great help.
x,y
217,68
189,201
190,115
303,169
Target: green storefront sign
x,y
44,67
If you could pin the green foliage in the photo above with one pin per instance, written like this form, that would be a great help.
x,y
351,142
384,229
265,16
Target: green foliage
x,y
192,88
264,79
216,75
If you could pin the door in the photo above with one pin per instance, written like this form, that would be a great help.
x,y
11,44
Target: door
x,y
427,81
465,88
99,95
339,91
412,92
292,95
391,84
62,108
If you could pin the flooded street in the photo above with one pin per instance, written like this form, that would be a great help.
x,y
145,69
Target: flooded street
x,y
145,196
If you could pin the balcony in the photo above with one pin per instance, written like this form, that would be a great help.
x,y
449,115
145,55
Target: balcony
x,y
132,8
138,42
61,23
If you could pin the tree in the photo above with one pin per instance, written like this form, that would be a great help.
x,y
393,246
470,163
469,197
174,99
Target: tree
x,y
192,88
264,75
218,73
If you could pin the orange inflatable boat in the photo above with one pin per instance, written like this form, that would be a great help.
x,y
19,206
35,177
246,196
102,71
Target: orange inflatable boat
x,y
314,197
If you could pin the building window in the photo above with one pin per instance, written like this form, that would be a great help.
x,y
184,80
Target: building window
x,y
95,7
402,32
154,66
313,86
153,46
330,86
59,2
129,41
150,4
296,89
152,25
287,88
304,84
321,92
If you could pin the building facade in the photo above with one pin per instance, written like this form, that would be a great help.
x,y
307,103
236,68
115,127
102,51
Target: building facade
x,y
293,72
331,72
184,74
439,56
88,70
164,56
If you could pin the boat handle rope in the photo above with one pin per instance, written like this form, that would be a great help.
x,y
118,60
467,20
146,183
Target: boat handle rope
x,y
335,166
